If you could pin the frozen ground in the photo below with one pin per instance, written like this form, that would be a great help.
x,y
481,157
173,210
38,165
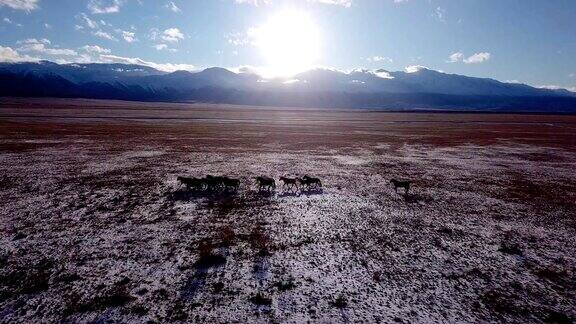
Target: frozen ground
x,y
95,228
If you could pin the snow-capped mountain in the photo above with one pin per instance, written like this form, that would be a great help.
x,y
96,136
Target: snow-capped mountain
x,y
416,87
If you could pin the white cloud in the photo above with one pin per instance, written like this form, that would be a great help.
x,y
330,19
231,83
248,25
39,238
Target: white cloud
x,y
128,36
99,29
414,68
154,33
47,26
440,14
550,87
172,35
379,59
7,54
172,6
93,54
555,87
167,67
473,59
478,58
20,4
39,46
164,47
95,49
104,35
456,57
34,41
88,22
383,75
104,6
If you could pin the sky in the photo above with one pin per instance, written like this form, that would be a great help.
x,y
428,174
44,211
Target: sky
x,y
527,41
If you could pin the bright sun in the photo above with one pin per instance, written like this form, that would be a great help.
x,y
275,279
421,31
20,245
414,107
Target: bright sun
x,y
289,42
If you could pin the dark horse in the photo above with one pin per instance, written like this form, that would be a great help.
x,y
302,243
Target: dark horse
x,y
310,183
290,183
401,184
192,183
219,183
265,183
230,183
214,183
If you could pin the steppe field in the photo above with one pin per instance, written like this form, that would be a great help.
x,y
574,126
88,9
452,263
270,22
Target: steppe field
x,y
95,227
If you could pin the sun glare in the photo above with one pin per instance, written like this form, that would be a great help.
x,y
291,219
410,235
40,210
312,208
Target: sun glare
x,y
289,43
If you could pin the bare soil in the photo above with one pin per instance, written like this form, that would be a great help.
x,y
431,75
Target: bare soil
x,y
95,228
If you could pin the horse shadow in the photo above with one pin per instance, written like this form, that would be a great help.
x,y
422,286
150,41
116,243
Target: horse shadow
x,y
288,194
312,192
186,195
415,198
266,193
189,195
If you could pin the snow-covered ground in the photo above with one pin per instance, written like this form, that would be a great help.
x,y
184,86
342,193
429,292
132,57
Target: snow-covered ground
x,y
95,226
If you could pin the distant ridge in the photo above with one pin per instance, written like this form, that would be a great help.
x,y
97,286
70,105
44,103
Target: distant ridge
x,y
420,88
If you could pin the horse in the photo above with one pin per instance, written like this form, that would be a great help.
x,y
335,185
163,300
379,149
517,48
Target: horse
x,y
310,182
230,183
213,183
401,184
192,183
290,183
265,183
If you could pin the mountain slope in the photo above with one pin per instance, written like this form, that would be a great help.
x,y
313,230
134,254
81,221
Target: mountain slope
x,y
418,88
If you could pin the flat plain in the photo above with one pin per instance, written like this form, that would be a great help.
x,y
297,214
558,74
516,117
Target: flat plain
x,y
95,227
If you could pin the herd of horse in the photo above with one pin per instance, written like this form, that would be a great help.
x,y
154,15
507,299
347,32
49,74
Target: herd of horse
x,y
225,184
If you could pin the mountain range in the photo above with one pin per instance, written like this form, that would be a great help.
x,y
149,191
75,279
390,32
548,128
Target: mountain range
x,y
415,89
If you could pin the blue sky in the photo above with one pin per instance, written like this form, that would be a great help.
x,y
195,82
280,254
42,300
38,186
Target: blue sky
x,y
529,41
